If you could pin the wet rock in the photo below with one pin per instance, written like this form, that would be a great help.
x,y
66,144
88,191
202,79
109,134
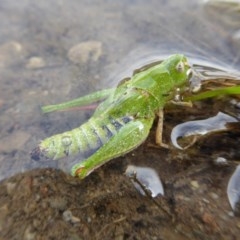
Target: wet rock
x,y
235,103
85,51
14,141
35,63
220,161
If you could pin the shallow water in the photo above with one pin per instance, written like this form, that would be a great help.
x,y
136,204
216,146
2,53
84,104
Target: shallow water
x,y
53,51
39,66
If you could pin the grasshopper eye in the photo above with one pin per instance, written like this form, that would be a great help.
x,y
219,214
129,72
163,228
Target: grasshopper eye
x,y
180,67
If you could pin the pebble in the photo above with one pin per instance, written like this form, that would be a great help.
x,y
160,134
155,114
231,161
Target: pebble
x,y
195,184
221,161
85,51
10,53
214,196
231,214
235,102
35,63
183,198
10,188
68,217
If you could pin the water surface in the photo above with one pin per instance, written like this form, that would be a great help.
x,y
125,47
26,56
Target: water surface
x,y
39,65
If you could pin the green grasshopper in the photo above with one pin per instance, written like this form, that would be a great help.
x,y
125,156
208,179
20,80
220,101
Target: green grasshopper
x,y
122,121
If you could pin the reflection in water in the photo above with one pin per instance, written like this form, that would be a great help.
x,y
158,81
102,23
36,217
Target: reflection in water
x,y
226,13
208,71
145,178
200,127
233,191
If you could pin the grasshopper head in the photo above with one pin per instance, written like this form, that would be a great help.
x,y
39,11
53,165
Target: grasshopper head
x,y
179,69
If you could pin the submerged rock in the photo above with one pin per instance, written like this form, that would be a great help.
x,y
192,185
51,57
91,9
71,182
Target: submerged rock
x,y
85,51
35,63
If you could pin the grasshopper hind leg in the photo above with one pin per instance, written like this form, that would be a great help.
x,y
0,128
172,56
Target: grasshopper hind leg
x,y
129,137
